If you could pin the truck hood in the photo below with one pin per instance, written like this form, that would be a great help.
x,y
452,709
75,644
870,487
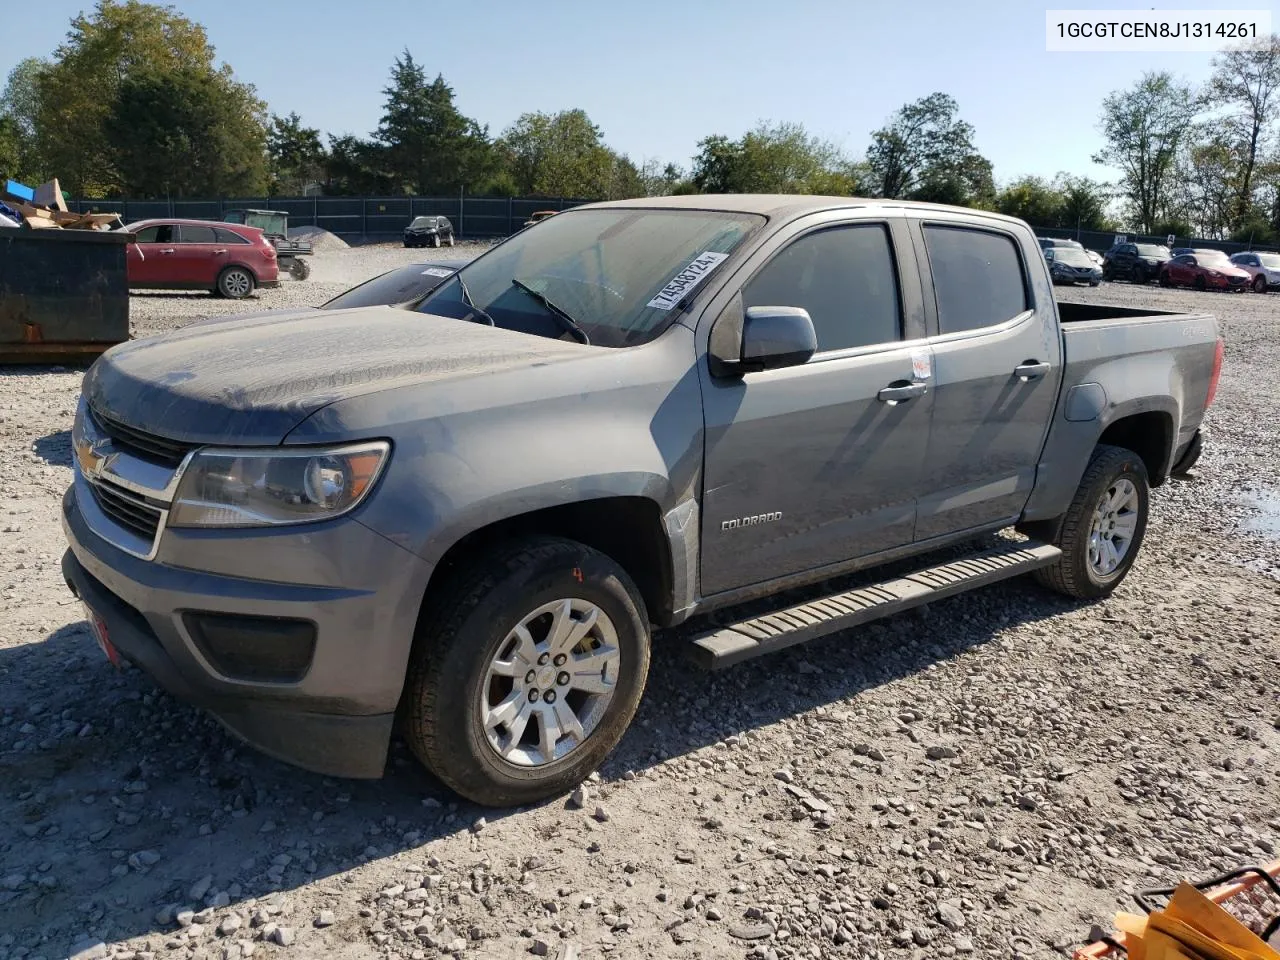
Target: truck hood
x,y
251,380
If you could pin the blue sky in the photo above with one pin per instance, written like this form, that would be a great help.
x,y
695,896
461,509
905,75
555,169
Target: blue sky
x,y
658,75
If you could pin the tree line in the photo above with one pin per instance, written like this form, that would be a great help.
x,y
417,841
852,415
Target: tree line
x,y
134,103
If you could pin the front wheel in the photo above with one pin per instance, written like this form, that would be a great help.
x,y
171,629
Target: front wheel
x,y
1140,274
299,269
1200,284
527,669
1102,530
435,240
1259,284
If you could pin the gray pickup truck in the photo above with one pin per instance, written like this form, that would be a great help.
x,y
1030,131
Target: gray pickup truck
x,y
462,518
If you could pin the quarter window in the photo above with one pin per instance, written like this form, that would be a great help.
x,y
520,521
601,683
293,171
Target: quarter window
x,y
844,277
977,277
227,236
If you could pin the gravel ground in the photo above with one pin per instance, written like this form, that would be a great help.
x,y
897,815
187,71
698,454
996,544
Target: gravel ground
x,y
988,777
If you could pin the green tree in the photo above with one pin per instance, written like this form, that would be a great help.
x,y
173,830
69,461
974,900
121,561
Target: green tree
x,y
295,153
1247,82
1145,127
773,158
19,109
1084,203
926,151
564,155
77,93
185,133
1032,199
659,179
354,166
430,146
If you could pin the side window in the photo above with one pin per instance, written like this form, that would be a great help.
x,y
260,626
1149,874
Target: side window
x,y
844,276
159,234
444,224
977,277
227,236
195,234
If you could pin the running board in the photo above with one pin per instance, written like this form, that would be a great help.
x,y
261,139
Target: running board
x,y
727,645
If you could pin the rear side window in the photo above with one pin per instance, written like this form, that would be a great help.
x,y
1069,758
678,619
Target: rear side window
x,y
977,277
227,236
196,234
844,277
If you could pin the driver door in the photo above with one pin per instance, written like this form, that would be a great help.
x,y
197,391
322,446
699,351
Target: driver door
x,y
808,466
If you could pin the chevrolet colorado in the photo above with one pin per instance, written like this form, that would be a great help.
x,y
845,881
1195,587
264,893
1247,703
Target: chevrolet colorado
x,y
461,518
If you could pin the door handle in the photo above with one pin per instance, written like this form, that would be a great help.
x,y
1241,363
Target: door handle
x,y
167,250
897,393
1031,370
219,253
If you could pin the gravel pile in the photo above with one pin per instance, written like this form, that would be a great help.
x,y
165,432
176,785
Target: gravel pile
x,y
987,777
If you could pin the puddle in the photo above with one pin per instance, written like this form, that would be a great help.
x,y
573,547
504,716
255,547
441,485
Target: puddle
x,y
1267,520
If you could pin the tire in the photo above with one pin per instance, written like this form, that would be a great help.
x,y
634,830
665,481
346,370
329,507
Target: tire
x,y
1165,281
470,623
1140,274
235,283
435,240
299,269
1074,574
1094,283
1259,284
1200,284
1107,273
451,239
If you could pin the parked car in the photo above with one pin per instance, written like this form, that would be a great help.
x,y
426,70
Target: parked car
x,y
1072,265
1138,262
538,216
1263,269
319,536
429,232
1180,251
1204,270
1052,243
393,288
226,258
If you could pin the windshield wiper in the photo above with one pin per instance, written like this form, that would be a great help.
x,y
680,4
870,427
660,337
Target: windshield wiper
x,y
466,298
566,321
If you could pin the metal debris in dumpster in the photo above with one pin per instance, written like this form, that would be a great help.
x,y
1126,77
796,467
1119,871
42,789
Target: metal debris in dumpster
x,y
64,296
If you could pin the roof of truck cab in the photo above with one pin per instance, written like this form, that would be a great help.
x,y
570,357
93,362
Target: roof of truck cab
x,y
782,205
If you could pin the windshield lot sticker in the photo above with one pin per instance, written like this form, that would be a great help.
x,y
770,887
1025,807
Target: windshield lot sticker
x,y
686,280
437,272
922,366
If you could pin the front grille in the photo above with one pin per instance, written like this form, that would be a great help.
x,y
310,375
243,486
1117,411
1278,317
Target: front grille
x,y
130,511
146,445
1237,281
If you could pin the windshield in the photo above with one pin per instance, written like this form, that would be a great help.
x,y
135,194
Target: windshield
x,y
1269,260
1152,250
423,222
618,274
396,286
1072,256
1213,258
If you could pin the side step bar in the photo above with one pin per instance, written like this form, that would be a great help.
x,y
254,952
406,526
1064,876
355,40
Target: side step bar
x,y
727,645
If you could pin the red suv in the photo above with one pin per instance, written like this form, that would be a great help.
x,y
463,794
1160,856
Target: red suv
x,y
226,258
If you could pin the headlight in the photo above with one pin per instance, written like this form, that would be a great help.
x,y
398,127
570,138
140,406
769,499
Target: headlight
x,y
262,488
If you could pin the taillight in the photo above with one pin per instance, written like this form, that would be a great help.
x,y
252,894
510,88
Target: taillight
x,y
1217,372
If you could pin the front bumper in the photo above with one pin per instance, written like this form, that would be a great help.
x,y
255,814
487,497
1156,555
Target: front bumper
x,y
361,593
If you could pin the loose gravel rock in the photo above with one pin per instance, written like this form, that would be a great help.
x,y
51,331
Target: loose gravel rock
x,y
990,775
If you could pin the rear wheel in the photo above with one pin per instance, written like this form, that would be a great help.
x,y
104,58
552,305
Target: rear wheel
x,y
527,669
1101,532
451,239
1259,284
299,269
235,283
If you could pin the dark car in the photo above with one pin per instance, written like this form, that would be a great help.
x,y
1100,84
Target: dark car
x,y
429,232
1204,270
1139,262
1072,265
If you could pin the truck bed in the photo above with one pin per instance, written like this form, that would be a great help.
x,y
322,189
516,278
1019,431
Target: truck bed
x,y
1085,312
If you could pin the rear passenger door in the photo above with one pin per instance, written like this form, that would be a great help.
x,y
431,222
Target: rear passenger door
x,y
997,359
199,256
807,466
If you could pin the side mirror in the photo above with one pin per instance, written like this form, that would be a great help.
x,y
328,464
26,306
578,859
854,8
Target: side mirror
x,y
776,337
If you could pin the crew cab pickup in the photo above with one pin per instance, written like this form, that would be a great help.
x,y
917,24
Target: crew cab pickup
x,y
462,518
